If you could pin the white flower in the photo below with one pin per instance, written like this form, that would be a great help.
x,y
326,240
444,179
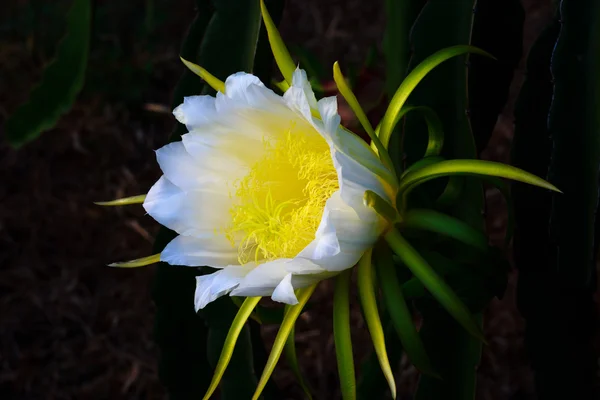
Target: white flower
x,y
268,189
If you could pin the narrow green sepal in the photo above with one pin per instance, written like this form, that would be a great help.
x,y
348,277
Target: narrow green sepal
x,y
123,202
212,81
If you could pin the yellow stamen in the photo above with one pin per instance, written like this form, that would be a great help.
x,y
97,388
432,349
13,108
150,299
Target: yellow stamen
x,y
281,201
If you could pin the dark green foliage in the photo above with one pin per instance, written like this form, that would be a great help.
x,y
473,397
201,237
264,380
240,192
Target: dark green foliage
x,y
400,18
454,354
498,29
531,151
554,246
61,82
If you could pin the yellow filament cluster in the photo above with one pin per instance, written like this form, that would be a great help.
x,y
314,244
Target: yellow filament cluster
x,y
280,202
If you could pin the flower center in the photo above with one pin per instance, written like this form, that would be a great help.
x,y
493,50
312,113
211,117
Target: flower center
x,y
279,204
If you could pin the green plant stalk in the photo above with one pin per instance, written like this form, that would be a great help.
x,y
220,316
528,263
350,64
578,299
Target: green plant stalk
x,y
341,334
288,323
372,383
399,312
368,301
292,358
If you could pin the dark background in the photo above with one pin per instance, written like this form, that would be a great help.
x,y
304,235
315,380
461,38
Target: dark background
x,y
72,328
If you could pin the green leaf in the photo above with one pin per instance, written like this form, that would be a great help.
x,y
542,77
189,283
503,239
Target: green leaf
x,y
342,337
284,331
434,221
399,313
230,341
292,359
432,281
392,115
282,55
61,82
369,303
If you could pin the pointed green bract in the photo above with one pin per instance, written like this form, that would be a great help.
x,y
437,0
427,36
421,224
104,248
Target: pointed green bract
x,y
381,206
292,359
369,303
284,331
234,331
140,262
61,82
341,334
350,98
281,85
467,167
432,281
392,115
123,202
212,81
422,163
280,52
239,303
400,314
434,221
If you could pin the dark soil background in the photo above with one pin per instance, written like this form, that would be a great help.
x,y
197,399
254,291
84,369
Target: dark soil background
x,y
72,328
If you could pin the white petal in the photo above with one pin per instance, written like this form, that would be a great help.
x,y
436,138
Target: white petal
x,y
237,84
357,164
300,80
284,292
210,249
195,110
179,167
343,235
189,213
222,157
300,96
263,279
212,286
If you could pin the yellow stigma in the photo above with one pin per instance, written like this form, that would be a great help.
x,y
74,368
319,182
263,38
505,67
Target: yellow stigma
x,y
280,202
